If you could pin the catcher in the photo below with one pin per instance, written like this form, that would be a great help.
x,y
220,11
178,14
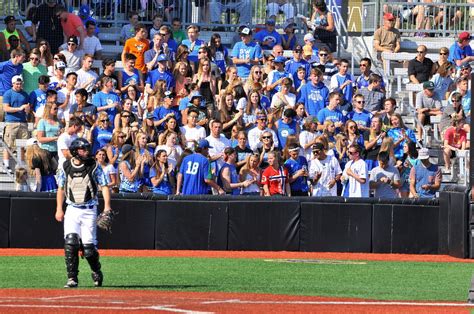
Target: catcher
x,y
78,181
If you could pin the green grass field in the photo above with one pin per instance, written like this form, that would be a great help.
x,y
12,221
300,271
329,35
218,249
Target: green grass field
x,y
370,280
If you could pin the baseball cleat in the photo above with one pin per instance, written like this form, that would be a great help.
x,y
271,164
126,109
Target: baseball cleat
x,y
97,278
71,283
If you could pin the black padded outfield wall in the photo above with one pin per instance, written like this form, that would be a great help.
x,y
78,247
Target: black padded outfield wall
x,y
207,222
4,221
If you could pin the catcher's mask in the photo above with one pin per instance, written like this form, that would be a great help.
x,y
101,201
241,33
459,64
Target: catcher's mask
x,y
80,143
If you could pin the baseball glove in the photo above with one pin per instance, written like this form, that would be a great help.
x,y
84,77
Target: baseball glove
x,y
105,220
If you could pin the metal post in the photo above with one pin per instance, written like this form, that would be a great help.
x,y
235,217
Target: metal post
x,y
471,139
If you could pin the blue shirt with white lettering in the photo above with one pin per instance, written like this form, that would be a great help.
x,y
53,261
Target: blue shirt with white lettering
x,y
246,51
314,97
195,168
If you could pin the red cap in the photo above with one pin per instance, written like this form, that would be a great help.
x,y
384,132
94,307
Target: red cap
x,y
389,16
465,36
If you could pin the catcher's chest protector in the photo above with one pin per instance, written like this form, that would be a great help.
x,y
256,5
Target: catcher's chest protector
x,y
80,186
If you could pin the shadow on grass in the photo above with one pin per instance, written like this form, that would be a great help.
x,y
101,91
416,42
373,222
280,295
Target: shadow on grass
x,y
159,287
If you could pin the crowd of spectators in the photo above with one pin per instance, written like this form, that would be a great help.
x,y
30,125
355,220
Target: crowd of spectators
x,y
185,116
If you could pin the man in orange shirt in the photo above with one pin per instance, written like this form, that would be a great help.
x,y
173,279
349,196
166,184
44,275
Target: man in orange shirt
x,y
72,25
137,46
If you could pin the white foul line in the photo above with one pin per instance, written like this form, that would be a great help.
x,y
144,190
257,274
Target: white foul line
x,y
343,303
124,308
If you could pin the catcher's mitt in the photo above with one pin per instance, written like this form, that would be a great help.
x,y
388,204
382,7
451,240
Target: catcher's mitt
x,y
105,219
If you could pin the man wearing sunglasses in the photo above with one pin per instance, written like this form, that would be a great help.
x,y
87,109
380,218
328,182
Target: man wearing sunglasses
x,y
420,68
73,54
32,70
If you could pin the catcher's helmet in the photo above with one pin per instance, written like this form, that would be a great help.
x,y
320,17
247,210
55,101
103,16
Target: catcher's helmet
x,y
80,143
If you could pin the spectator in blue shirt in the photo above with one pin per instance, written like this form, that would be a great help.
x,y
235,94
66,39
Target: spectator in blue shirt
x,y
246,53
297,167
16,106
297,62
359,115
461,52
8,70
106,100
37,97
314,95
343,82
161,73
268,37
194,176
425,178
193,43
162,113
331,112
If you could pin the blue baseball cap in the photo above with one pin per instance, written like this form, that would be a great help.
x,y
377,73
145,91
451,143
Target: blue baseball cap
x,y
280,59
195,95
270,22
203,143
162,57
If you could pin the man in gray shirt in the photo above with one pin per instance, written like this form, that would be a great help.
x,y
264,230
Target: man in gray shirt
x,y
427,104
385,179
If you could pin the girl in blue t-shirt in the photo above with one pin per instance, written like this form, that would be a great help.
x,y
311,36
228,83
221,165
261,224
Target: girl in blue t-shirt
x,y
161,175
220,54
101,133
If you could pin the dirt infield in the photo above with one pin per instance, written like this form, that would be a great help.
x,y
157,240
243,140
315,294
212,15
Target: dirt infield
x,y
247,254
105,300
126,301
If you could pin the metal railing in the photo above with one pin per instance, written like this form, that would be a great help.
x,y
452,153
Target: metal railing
x,y
422,19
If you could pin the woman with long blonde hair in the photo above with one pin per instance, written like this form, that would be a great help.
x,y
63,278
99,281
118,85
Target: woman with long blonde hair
x,y
388,146
49,129
251,171
255,76
41,167
143,151
101,133
114,149
156,98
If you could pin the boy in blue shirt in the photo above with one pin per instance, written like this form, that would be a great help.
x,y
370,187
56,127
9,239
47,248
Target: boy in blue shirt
x,y
331,112
246,53
359,115
297,167
268,37
314,95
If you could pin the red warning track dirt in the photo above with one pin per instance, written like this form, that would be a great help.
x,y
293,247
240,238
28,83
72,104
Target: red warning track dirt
x,y
126,301
247,254
146,301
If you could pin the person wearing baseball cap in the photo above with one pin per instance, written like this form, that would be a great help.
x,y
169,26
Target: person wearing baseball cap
x,y
425,177
194,176
275,76
461,52
246,53
297,62
387,38
17,107
288,40
11,30
268,37
427,104
160,73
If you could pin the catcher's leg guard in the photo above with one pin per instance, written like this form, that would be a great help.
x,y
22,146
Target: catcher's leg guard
x,y
71,253
92,256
